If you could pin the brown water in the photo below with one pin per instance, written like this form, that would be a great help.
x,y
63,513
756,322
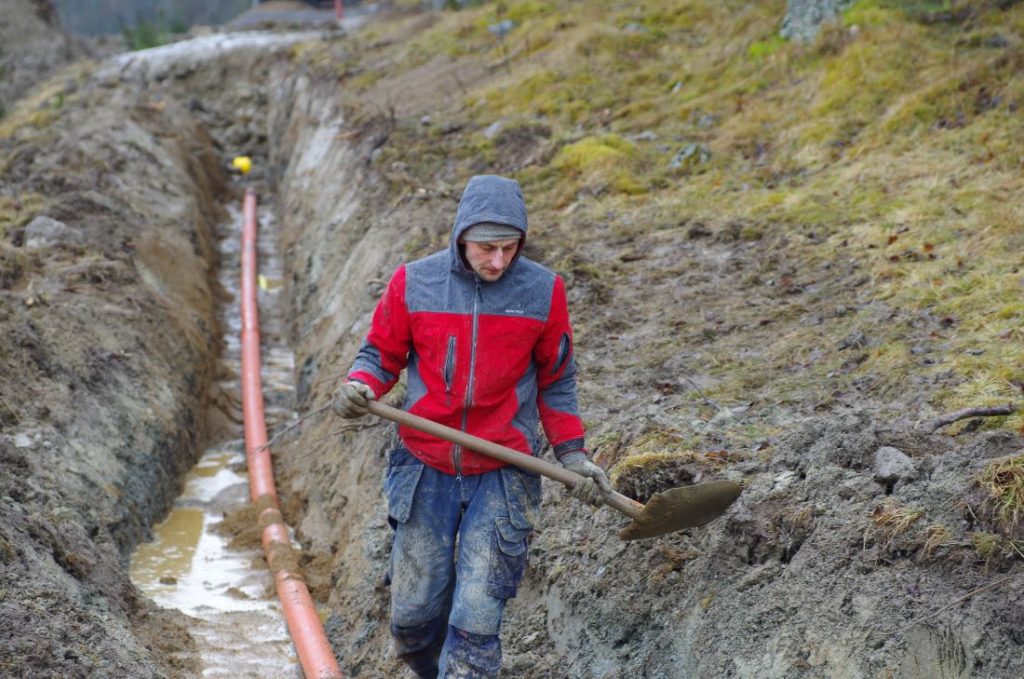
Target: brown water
x,y
236,619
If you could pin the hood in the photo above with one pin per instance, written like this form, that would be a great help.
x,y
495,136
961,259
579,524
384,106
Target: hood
x,y
488,198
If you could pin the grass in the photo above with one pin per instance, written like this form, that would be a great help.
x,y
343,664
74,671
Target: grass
x,y
649,460
659,449
16,211
43,104
937,536
994,548
890,520
1003,482
145,35
900,145
599,163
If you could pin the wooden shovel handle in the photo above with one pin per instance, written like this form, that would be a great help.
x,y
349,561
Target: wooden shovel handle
x,y
627,506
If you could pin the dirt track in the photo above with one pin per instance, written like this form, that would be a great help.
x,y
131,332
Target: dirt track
x,y
109,364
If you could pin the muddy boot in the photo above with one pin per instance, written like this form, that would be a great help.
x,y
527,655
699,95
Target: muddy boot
x,y
420,646
470,656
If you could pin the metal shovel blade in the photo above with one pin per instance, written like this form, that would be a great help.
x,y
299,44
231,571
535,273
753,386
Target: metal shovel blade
x,y
684,507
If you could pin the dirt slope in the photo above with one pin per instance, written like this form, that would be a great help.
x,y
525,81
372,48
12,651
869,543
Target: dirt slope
x,y
32,46
107,326
854,549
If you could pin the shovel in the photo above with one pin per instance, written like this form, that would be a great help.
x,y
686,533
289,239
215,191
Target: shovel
x,y
665,512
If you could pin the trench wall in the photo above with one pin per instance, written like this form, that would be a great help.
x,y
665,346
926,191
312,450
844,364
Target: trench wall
x,y
106,367
339,253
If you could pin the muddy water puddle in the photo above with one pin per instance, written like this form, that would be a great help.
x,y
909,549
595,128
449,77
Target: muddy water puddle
x,y
189,565
227,592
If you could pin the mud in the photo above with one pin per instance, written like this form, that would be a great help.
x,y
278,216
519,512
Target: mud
x,y
803,577
107,372
210,569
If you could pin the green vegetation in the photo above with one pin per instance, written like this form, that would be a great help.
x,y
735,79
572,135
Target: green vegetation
x,y
599,162
995,549
145,35
988,546
891,147
18,211
155,28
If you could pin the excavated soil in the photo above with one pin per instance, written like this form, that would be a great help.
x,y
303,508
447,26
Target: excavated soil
x,y
32,46
106,309
836,561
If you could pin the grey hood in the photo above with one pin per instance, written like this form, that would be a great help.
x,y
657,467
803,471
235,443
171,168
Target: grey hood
x,y
488,198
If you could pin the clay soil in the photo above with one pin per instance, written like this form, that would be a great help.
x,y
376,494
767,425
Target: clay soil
x,y
830,564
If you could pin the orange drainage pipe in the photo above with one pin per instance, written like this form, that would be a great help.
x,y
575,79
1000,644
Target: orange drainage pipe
x,y
307,633
339,10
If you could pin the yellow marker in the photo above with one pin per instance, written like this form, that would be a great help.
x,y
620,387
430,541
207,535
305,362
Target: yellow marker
x,y
242,163
262,281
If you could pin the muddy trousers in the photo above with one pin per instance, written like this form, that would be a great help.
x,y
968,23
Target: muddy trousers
x,y
458,554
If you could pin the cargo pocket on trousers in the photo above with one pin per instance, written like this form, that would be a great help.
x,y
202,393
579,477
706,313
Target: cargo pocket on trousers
x,y
508,558
522,495
400,480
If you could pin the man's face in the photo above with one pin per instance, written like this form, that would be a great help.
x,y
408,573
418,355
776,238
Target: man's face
x,y
490,260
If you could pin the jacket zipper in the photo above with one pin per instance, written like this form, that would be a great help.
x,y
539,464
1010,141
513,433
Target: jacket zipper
x,y
449,367
563,353
457,449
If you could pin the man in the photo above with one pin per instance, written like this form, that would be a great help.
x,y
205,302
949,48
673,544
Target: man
x,y
485,335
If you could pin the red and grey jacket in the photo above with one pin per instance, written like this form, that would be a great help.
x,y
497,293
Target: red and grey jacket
x,y
489,358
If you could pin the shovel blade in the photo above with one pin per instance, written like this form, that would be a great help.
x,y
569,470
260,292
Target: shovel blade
x,y
679,508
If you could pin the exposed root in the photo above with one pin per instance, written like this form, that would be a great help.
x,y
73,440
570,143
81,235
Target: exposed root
x,y
965,597
932,426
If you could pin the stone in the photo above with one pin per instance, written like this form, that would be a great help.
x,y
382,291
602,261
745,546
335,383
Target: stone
x,y
45,231
502,28
804,18
690,155
892,465
492,130
859,488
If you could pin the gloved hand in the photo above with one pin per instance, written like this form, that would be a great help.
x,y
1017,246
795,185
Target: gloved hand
x,y
352,399
594,485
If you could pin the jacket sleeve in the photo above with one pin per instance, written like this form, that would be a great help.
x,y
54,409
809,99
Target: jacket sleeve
x,y
385,350
556,378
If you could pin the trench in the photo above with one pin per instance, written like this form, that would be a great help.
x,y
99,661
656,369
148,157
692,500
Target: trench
x,y
193,564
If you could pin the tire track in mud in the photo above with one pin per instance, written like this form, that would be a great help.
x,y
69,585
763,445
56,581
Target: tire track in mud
x,y
195,565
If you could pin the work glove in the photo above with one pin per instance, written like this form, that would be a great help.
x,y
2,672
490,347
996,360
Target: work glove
x,y
594,486
352,399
